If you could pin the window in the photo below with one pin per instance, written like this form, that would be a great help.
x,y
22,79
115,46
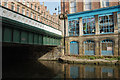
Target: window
x,y
88,25
51,18
87,5
38,18
27,4
74,48
23,11
27,13
31,15
105,3
118,21
106,23
35,6
107,47
18,8
12,6
24,2
73,28
38,9
44,14
89,47
35,16
5,4
72,6
31,6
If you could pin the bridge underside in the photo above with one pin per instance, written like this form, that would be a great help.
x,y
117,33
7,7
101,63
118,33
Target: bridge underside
x,y
17,32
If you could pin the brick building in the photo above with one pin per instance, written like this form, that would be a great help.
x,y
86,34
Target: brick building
x,y
73,6
33,10
92,27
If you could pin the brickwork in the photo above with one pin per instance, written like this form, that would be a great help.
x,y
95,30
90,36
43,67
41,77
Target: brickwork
x,y
95,5
80,5
37,10
97,39
80,8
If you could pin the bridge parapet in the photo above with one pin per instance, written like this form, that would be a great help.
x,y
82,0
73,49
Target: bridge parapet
x,y
4,12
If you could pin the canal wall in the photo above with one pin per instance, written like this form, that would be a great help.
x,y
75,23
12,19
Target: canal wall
x,y
53,54
75,60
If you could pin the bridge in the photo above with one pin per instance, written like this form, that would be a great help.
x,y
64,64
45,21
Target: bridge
x,y
24,38
20,29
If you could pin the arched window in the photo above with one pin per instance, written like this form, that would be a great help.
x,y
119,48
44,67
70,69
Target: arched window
x,y
89,47
107,47
74,49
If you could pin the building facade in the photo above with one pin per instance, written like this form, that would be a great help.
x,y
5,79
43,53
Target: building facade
x,y
92,30
73,6
34,10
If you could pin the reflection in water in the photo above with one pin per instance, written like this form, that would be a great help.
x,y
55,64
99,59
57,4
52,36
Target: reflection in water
x,y
55,70
83,71
74,71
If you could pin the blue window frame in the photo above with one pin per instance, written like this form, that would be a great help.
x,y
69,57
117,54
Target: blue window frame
x,y
106,23
89,47
118,16
88,25
73,28
107,47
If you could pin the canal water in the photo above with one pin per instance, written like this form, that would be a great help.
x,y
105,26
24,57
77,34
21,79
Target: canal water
x,y
54,70
20,63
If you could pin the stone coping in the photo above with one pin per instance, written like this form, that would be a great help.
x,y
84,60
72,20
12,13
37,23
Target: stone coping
x,y
67,59
74,60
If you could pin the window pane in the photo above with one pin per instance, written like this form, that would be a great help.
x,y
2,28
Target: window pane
x,y
106,23
74,28
89,25
87,6
105,3
73,6
73,10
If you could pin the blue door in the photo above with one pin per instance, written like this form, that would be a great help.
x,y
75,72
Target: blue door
x,y
89,47
74,50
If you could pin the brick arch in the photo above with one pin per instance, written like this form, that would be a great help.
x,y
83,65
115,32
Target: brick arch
x,y
74,40
101,39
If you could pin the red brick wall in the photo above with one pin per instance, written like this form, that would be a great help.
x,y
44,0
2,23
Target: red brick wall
x,y
95,5
79,6
115,3
67,6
